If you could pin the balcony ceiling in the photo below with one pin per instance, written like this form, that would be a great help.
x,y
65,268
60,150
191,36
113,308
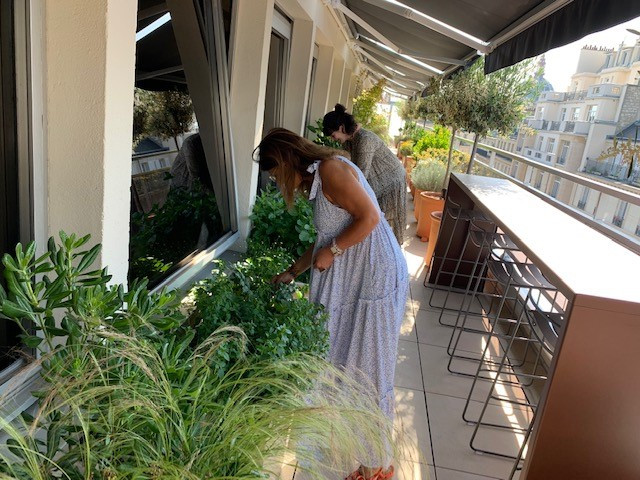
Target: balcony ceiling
x,y
506,31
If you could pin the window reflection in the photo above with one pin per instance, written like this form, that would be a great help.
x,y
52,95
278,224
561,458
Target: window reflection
x,y
174,210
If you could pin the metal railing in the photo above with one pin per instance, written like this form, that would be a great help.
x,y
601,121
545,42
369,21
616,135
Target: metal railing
x,y
625,238
612,170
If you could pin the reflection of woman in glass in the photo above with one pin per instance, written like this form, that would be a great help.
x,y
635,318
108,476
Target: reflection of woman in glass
x,y
381,168
359,274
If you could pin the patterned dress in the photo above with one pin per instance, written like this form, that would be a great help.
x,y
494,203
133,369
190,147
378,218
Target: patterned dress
x,y
385,174
364,292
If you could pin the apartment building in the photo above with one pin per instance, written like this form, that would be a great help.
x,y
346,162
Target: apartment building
x,y
574,128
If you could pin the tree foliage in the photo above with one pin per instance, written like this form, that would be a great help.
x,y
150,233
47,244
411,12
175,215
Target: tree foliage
x,y
629,153
364,106
479,103
162,114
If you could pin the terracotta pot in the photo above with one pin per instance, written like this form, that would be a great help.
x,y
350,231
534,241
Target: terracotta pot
x,y
417,204
429,202
436,219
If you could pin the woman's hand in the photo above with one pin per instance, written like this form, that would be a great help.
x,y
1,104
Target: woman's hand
x,y
323,259
284,277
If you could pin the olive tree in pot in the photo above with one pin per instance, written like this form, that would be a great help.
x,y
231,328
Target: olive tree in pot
x,y
428,176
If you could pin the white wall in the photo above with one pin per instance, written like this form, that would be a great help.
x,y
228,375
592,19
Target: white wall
x,y
313,22
90,61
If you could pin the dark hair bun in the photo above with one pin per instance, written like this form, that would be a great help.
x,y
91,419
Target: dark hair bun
x,y
340,108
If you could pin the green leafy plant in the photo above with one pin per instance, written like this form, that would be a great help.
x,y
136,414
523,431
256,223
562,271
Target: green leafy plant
x,y
278,322
428,175
170,232
274,224
459,160
439,137
412,131
364,111
129,394
321,138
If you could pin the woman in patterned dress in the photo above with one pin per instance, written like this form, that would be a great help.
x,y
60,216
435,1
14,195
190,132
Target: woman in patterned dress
x,y
359,272
381,168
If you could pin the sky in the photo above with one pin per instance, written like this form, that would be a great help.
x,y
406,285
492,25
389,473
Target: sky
x,y
562,61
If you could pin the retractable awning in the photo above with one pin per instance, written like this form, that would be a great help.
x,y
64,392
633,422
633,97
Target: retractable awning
x,y
425,38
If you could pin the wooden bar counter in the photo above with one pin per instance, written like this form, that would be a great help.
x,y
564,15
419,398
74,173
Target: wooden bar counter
x,y
588,422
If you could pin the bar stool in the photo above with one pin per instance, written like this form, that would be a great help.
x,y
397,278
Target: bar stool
x,y
544,320
464,216
501,252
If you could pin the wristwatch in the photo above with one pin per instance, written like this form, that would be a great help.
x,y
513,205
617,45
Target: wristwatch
x,y
335,249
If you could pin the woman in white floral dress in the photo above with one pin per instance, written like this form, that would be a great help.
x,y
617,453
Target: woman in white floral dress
x,y
359,272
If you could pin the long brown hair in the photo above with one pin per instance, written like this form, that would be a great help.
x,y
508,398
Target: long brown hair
x,y
287,153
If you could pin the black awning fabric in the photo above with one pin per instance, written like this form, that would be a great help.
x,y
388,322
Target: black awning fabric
x,y
570,23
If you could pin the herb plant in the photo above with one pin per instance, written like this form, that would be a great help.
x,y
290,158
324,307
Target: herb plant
x,y
275,225
278,322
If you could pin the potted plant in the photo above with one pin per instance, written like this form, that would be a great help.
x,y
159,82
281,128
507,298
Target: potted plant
x,y
405,149
436,219
409,164
427,176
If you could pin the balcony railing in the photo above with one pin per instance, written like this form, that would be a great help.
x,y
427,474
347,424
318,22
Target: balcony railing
x,y
612,170
553,96
577,95
595,219
604,90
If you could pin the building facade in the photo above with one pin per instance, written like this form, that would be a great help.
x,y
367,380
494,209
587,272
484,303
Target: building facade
x,y
573,129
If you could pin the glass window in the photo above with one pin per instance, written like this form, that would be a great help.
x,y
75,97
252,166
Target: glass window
x,y
564,152
563,114
10,181
538,183
312,80
621,211
555,188
591,113
575,115
181,197
539,143
582,203
551,143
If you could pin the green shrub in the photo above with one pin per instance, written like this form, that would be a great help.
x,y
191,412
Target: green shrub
x,y
321,138
278,322
438,138
406,148
129,395
275,225
459,160
429,175
411,131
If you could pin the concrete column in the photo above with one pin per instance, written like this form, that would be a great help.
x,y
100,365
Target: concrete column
x,y
250,54
335,86
320,94
90,71
346,84
301,53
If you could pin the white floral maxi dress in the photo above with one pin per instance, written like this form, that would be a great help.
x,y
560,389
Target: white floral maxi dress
x,y
364,292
